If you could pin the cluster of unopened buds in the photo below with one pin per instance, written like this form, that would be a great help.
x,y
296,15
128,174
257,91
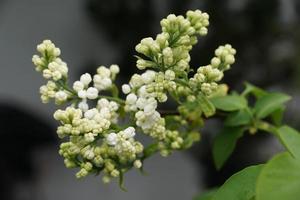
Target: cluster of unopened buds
x,y
101,128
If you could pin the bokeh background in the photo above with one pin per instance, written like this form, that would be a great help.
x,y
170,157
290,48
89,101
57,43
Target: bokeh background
x,y
90,33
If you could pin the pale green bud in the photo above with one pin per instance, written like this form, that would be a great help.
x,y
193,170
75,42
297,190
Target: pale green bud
x,y
170,75
229,59
106,179
82,173
143,64
137,164
69,163
98,160
168,56
215,62
191,98
203,31
115,173
175,145
164,153
162,39
88,166
109,166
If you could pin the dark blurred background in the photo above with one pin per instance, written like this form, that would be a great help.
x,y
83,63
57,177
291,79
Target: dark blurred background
x,y
90,33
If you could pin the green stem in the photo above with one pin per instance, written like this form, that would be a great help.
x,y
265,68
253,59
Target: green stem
x,y
63,85
149,151
116,99
265,126
182,82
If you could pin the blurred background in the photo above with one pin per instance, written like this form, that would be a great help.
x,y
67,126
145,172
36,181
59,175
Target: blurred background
x,y
90,33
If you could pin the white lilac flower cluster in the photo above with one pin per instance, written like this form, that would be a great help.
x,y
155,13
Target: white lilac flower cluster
x,y
169,55
52,68
104,77
172,141
86,127
99,130
103,80
84,130
170,49
207,76
143,93
124,144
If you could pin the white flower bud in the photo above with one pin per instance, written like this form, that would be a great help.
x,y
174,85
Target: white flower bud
x,y
131,98
106,82
92,93
203,31
102,103
114,69
136,81
141,64
141,103
56,75
229,59
126,88
56,52
89,137
89,154
168,56
170,75
86,79
103,71
113,106
137,164
105,113
61,96
129,132
215,62
112,139
89,114
83,106
82,94
78,86
47,73
148,76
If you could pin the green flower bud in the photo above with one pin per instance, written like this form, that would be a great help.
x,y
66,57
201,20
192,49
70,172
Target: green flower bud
x,y
69,163
115,173
106,179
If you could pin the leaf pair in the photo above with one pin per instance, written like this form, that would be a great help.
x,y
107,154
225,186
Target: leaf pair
x,y
224,144
225,141
278,179
241,117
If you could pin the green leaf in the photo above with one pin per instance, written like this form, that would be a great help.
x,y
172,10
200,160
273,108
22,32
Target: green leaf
x,y
238,118
240,186
172,123
269,103
207,195
224,144
290,138
206,106
279,179
256,91
277,116
229,102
